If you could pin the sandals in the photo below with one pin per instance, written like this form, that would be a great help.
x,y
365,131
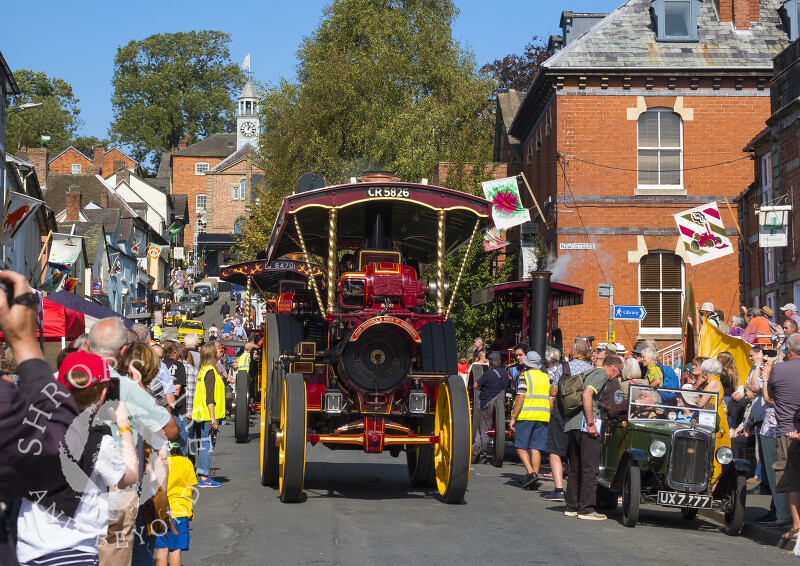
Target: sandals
x,y
790,534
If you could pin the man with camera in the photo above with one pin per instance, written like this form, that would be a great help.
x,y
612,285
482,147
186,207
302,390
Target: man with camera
x,y
35,413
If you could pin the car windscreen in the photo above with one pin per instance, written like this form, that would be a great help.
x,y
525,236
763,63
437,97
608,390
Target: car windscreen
x,y
191,297
681,405
192,326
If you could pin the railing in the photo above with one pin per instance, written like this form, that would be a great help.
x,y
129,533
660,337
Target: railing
x,y
672,355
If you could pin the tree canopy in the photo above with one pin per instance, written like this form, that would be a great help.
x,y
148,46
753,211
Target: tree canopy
x,y
517,71
380,85
171,84
59,115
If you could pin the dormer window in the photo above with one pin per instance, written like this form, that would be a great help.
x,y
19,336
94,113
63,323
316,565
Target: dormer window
x,y
790,16
676,20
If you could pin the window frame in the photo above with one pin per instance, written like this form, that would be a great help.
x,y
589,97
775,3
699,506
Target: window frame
x,y
769,266
235,190
659,10
197,201
74,166
197,167
661,329
242,187
766,178
659,148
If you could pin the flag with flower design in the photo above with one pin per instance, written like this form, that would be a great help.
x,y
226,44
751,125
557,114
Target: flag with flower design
x,y
507,209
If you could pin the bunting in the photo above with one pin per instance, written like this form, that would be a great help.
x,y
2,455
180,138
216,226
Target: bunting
x,y
703,233
66,249
507,209
20,208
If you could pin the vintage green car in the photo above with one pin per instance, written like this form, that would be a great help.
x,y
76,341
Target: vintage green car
x,y
663,454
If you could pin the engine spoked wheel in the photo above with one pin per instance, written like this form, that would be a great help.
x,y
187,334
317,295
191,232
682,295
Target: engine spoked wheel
x,y
452,453
292,439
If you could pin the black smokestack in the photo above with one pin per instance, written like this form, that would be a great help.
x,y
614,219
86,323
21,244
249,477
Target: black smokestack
x,y
540,310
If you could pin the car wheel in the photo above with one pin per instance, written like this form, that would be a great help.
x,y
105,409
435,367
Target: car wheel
x,y
631,494
734,516
689,513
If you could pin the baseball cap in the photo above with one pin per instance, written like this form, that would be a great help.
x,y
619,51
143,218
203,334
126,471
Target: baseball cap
x,y
685,367
707,307
84,361
495,356
789,307
532,359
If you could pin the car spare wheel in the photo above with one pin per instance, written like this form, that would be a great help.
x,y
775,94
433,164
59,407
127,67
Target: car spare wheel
x,y
379,359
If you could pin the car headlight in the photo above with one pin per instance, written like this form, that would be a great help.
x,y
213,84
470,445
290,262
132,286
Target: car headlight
x,y
658,448
724,455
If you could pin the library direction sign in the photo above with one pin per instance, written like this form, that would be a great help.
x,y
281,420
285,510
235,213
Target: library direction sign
x,y
629,312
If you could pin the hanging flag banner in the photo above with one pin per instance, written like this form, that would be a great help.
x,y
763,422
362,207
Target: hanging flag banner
x,y
66,249
54,279
773,222
116,267
492,240
507,209
177,253
137,246
703,233
154,251
70,284
20,208
175,229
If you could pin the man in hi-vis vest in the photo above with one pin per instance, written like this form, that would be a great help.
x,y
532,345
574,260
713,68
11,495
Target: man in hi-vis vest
x,y
530,417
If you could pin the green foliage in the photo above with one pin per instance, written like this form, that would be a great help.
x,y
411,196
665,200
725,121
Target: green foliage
x,y
171,84
381,85
59,115
517,71
86,144
473,321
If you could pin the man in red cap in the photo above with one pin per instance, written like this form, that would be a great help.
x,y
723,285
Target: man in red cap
x,y
66,523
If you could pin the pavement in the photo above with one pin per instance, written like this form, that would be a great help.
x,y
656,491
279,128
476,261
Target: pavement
x,y
756,507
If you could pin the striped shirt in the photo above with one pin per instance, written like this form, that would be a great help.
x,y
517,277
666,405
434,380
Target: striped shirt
x,y
191,384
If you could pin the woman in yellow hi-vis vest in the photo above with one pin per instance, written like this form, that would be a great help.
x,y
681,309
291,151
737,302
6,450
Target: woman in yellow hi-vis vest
x,y
207,410
530,417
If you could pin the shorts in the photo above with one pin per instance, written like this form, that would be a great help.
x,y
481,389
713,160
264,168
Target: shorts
x,y
557,440
171,541
787,465
530,435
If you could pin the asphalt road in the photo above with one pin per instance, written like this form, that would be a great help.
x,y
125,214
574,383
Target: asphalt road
x,y
359,509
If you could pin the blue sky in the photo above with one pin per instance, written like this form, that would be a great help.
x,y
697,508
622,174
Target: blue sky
x,y
77,41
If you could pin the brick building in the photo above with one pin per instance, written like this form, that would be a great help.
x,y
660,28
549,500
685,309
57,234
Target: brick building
x,y
639,118
771,275
73,162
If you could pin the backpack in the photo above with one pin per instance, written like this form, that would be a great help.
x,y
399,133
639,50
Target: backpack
x,y
609,402
669,380
570,392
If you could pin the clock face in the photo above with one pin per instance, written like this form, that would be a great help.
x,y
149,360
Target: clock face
x,y
248,129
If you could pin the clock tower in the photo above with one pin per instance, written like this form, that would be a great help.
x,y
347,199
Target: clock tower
x,y
247,124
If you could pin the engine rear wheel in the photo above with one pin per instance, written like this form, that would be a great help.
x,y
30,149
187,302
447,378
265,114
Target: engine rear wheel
x,y
499,450
292,439
420,466
242,427
452,453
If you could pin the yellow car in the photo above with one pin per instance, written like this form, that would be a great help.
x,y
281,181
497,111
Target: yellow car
x,y
192,327
174,318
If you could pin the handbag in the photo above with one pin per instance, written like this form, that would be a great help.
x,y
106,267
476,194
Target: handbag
x,y
157,515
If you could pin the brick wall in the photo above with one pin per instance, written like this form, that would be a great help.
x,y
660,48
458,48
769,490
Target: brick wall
x,y
111,160
595,127
186,182
223,210
63,163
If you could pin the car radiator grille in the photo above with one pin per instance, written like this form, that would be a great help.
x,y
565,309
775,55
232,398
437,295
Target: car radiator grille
x,y
689,461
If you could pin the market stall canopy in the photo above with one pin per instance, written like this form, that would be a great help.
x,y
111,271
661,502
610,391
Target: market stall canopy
x,y
92,312
60,323
411,217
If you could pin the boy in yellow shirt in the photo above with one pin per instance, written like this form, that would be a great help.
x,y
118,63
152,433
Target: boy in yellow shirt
x,y
181,492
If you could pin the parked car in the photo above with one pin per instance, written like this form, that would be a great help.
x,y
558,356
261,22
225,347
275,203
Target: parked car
x,y
192,327
664,455
205,292
209,283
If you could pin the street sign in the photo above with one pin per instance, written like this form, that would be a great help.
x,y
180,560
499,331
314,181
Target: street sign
x,y
577,246
629,312
604,291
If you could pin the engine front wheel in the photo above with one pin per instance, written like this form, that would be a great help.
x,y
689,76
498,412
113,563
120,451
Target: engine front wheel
x,y
292,439
452,453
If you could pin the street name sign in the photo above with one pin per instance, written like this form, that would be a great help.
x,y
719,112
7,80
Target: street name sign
x,y
577,246
629,312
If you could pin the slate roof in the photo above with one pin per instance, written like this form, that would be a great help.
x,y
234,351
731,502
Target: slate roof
x,y
165,166
232,159
94,235
626,38
127,226
91,188
217,145
509,103
108,217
